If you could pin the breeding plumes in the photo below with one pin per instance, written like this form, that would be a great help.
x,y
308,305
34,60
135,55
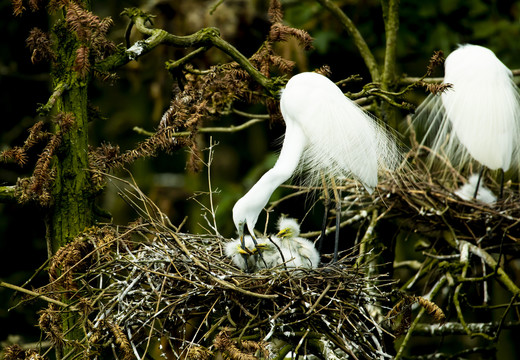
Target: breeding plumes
x,y
326,133
296,251
481,111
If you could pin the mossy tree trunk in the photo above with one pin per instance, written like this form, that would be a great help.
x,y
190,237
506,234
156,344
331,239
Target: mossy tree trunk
x,y
71,211
72,203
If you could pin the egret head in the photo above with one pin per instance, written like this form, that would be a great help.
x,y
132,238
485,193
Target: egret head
x,y
244,215
288,228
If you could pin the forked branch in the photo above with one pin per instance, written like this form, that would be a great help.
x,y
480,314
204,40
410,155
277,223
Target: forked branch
x,y
204,38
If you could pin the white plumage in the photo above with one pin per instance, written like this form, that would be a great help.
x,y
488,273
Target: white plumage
x,y
232,250
326,133
481,111
297,251
270,254
285,248
484,195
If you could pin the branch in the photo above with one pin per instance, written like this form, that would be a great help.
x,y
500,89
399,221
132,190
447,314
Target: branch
x,y
413,80
32,293
454,328
58,91
436,80
359,41
391,17
174,65
206,38
502,277
227,129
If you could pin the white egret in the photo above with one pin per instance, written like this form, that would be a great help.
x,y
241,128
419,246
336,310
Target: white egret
x,y
468,191
297,251
481,111
326,133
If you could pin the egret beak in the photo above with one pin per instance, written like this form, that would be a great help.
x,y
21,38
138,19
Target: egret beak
x,y
243,249
282,233
258,247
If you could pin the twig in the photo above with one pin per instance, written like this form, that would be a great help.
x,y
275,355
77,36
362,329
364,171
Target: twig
x,y
35,294
369,234
228,129
436,288
454,328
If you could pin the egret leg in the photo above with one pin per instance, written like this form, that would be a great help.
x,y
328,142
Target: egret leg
x,y
501,184
326,203
245,254
324,223
337,197
478,182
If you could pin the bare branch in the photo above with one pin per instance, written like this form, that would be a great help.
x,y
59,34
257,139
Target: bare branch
x,y
32,293
229,129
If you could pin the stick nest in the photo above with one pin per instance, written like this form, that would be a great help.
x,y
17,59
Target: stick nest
x,y
148,287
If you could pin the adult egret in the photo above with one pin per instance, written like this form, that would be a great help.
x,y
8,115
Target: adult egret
x,y
481,111
326,133
297,251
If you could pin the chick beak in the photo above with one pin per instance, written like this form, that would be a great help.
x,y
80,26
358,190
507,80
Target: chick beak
x,y
282,233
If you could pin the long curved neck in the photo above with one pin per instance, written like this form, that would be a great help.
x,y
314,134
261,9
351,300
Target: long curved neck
x,y
258,196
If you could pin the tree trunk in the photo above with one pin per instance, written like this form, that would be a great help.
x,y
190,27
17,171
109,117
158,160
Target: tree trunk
x,y
71,211
72,197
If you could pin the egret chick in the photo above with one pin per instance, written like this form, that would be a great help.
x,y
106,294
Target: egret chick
x,y
326,133
481,111
297,251
468,190
252,261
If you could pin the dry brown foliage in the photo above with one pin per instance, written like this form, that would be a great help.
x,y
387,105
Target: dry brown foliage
x,y
40,44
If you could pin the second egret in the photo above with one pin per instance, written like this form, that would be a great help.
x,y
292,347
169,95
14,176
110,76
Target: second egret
x,y
481,112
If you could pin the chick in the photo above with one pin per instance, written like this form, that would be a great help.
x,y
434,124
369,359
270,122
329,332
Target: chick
x,y
296,251
484,195
266,256
285,248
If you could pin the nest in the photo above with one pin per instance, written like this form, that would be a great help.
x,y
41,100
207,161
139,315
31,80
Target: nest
x,y
424,200
148,287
